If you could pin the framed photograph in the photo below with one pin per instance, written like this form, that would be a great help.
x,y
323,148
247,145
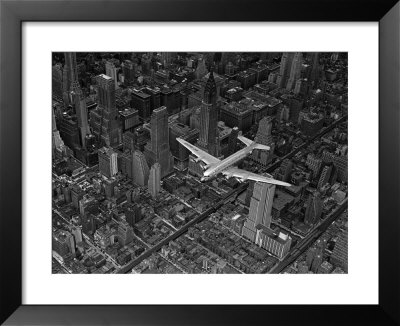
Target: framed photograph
x,y
203,163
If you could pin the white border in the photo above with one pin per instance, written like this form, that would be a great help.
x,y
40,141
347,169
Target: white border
x,y
359,286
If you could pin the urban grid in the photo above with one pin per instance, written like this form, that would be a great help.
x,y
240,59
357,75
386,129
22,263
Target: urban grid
x,y
199,162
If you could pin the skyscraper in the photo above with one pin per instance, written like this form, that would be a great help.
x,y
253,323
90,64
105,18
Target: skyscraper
x,y
129,71
111,71
314,75
157,150
167,57
277,243
104,119
314,164
232,142
71,66
295,71
284,73
57,82
264,137
325,175
201,69
63,243
314,208
140,169
81,114
318,259
260,209
284,170
339,255
77,233
208,117
70,77
155,180
108,164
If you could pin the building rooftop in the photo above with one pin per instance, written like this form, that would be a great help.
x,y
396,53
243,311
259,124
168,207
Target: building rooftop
x,y
277,236
140,94
237,107
128,112
281,200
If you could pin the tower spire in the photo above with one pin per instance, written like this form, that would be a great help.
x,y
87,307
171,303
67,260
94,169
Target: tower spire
x,y
210,91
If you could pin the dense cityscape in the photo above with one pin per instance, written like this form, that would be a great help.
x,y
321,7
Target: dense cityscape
x,y
186,162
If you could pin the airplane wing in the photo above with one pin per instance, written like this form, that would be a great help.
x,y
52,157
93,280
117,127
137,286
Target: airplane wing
x,y
202,155
246,175
245,140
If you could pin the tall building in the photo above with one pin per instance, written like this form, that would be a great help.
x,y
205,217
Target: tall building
x,y
232,141
208,117
69,132
340,162
57,82
295,71
167,57
314,164
129,141
154,183
70,76
284,170
201,69
310,255
275,243
340,251
325,175
124,233
141,101
104,119
77,233
129,71
81,115
311,124
157,150
318,259
63,243
133,214
314,208
284,73
140,169
264,137
108,162
180,152
315,70
260,209
112,72
59,148
129,119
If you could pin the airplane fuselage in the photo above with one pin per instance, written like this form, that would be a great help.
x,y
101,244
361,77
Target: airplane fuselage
x,y
217,168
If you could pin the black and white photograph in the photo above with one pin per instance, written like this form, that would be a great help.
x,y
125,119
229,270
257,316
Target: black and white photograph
x,y
196,162
199,163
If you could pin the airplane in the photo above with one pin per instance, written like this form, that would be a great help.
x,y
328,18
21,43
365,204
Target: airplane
x,y
215,166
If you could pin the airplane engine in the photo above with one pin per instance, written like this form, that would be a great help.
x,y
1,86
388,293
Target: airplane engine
x,y
203,167
241,179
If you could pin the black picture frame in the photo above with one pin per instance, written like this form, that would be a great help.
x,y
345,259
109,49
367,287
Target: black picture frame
x,y
14,13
